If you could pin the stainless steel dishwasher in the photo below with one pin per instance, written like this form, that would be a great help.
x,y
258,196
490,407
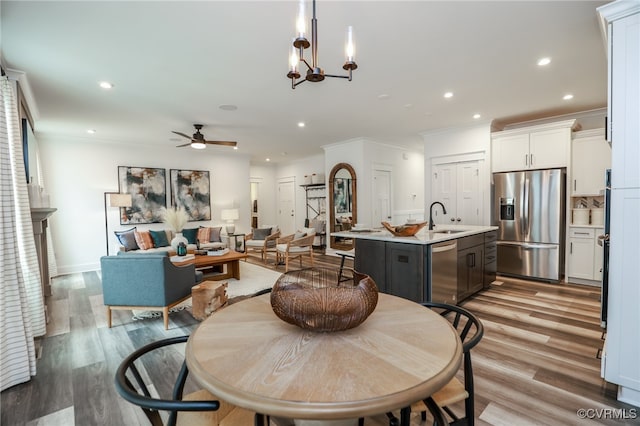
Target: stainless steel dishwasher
x,y
443,267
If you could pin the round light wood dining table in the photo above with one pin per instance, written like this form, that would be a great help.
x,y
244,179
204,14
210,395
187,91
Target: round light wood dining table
x,y
245,355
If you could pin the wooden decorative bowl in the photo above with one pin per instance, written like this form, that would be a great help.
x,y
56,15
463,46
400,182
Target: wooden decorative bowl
x,y
314,299
408,230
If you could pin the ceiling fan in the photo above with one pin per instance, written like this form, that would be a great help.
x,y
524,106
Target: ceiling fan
x,y
198,141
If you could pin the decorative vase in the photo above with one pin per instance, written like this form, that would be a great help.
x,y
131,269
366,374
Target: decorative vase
x,y
179,238
317,299
182,249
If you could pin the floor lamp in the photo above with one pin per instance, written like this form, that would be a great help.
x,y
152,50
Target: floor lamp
x,y
114,199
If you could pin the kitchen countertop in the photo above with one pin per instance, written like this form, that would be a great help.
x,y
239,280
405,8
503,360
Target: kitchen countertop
x,y
424,237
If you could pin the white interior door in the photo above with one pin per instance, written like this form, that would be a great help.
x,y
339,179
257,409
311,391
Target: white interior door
x,y
286,207
468,203
457,186
444,189
382,197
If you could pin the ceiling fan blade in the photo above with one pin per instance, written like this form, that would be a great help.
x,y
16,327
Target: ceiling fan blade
x,y
181,134
224,143
186,144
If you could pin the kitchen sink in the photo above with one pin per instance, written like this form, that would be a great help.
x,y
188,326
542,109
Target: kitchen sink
x,y
450,231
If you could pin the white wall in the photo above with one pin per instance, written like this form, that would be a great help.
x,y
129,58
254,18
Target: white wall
x,y
265,177
458,141
365,156
78,172
407,175
297,170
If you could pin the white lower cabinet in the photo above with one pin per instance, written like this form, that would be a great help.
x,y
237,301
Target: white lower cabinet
x,y
584,258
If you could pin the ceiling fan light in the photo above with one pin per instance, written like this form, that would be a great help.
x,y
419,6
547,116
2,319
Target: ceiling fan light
x,y
198,145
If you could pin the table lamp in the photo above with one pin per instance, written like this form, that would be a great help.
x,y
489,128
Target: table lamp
x,y
230,215
114,199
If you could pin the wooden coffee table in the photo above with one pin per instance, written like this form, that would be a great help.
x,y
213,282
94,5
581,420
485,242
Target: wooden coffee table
x,y
231,260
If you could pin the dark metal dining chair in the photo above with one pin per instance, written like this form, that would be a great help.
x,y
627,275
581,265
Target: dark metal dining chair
x,y
196,408
470,330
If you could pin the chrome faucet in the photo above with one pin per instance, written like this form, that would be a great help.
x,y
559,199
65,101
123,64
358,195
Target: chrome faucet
x,y
444,211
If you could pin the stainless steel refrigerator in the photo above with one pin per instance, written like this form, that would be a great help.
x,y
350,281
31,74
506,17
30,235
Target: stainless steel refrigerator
x,y
529,209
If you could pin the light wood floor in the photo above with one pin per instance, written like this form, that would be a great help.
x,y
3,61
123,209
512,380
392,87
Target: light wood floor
x,y
536,364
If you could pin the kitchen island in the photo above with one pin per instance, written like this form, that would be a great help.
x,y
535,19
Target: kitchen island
x,y
446,265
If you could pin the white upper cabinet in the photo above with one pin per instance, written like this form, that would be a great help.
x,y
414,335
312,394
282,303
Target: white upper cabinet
x,y
590,157
625,99
537,147
510,153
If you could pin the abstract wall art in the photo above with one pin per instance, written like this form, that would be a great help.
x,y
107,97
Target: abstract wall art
x,y
148,189
190,189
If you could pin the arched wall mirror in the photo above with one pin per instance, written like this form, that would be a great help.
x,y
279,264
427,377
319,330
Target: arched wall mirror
x,y
342,204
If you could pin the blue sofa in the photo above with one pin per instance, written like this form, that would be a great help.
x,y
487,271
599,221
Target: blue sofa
x,y
145,281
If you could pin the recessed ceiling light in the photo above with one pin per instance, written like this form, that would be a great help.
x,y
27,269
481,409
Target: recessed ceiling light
x,y
407,106
235,147
383,97
476,116
301,124
544,61
267,159
448,95
428,114
228,107
106,85
91,131
567,97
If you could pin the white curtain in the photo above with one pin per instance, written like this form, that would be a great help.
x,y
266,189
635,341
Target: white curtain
x,y
21,303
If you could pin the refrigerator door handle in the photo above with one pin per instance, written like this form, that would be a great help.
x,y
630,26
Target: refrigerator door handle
x,y
525,217
520,202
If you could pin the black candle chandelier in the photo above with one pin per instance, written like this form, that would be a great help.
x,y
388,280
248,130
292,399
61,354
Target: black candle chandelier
x,y
314,72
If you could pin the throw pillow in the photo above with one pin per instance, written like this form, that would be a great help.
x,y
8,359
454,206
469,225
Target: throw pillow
x,y
204,233
127,239
299,234
261,233
159,238
143,238
191,235
214,237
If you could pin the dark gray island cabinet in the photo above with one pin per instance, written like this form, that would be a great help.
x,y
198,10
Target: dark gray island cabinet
x,y
447,266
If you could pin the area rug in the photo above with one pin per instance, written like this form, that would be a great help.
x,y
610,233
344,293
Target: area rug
x,y
253,278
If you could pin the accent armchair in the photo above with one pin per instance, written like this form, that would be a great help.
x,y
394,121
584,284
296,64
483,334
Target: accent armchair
x,y
258,241
145,281
295,245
